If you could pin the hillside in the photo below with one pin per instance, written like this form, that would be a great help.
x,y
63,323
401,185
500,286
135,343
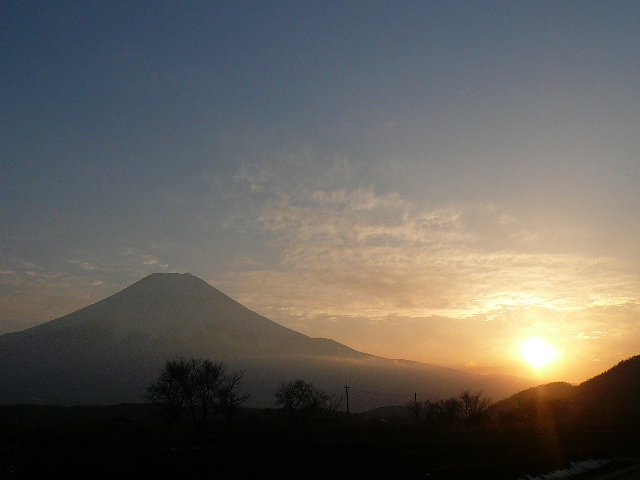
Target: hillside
x,y
609,400
548,393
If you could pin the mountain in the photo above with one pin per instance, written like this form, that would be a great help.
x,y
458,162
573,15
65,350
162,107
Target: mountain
x,y
611,398
548,393
108,352
608,400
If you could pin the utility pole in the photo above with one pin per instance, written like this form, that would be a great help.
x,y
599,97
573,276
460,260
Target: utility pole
x,y
346,389
417,408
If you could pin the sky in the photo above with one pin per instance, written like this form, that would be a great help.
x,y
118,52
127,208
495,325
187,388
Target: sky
x,y
435,181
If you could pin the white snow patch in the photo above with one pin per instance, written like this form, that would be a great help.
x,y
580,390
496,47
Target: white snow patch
x,y
575,468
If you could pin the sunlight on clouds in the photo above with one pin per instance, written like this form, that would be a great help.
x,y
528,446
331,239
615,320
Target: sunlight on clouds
x,y
361,249
357,254
363,199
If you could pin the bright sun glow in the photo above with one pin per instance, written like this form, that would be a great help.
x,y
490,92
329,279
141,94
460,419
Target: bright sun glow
x,y
538,353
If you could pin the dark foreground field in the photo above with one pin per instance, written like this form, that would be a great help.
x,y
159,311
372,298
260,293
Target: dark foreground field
x,y
129,441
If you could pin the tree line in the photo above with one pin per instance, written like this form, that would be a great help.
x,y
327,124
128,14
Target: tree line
x,y
201,389
467,409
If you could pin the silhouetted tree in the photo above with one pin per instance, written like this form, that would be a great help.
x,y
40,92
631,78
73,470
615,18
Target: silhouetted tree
x,y
230,397
292,395
206,381
198,386
172,391
302,398
473,408
441,413
321,404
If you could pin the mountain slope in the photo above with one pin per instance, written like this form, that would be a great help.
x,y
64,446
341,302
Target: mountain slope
x,y
110,351
179,308
608,400
547,393
611,398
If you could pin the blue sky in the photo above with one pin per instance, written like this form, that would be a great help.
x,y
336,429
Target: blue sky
x,y
435,181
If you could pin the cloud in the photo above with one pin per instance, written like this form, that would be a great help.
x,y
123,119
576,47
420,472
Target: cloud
x,y
140,264
83,265
359,253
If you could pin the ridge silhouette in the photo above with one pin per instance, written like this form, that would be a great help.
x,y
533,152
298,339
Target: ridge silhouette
x,y
108,352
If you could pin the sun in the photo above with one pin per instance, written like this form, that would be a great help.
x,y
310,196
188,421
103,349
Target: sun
x,y
538,353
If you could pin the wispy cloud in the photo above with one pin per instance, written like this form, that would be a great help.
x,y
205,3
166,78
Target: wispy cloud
x,y
140,263
359,253
83,265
